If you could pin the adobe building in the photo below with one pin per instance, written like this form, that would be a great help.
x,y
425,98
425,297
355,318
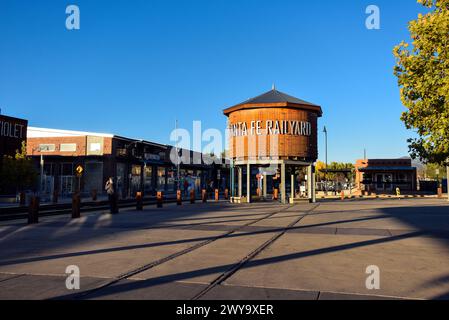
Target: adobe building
x,y
136,165
385,175
272,138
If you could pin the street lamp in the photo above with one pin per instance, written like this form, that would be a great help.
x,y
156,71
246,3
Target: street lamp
x,y
41,163
325,173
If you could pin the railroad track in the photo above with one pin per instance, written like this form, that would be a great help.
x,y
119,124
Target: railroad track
x,y
222,277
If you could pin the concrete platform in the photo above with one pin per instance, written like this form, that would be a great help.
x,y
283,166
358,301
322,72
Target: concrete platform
x,y
324,256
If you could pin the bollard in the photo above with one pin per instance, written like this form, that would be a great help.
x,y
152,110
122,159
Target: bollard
x,y
226,194
94,195
160,199
217,195
139,201
33,211
178,197
192,196
440,193
398,193
22,199
55,196
204,195
342,195
276,194
76,206
114,203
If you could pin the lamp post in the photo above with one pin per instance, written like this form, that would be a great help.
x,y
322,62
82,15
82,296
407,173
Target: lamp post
x,y
325,143
178,184
41,164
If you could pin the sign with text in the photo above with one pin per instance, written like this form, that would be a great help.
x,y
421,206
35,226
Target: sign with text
x,y
272,127
13,132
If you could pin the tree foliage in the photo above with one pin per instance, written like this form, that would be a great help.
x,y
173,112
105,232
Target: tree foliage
x,y
331,176
422,69
17,172
433,171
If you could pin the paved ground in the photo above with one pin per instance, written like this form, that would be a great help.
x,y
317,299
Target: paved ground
x,y
323,256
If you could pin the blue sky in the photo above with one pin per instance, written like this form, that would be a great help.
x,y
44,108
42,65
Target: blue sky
x,y
136,66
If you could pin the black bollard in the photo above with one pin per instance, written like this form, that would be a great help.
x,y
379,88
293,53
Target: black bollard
x,y
192,196
33,210
160,199
217,195
204,195
115,208
139,201
76,206
178,198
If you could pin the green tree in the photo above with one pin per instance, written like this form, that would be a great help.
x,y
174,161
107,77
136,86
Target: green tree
x,y
17,172
332,176
422,69
434,171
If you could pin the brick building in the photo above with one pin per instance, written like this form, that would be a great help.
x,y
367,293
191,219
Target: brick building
x,y
136,165
384,175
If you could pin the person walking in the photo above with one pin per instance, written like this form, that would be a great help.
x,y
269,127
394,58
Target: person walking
x,y
109,187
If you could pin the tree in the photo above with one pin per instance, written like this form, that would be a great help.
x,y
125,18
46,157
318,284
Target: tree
x,y
332,176
434,171
17,172
422,69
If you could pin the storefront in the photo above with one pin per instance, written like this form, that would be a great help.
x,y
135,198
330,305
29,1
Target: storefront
x,y
385,175
135,165
273,143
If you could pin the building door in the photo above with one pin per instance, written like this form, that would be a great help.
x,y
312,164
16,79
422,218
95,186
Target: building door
x,y
379,182
384,182
388,178
67,185
93,178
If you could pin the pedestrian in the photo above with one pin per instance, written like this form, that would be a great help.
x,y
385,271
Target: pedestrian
x,y
109,187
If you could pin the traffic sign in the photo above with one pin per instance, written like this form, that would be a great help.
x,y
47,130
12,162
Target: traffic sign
x,y
79,171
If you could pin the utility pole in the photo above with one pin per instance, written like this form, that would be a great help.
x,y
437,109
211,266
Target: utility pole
x,y
177,159
325,173
41,163
42,175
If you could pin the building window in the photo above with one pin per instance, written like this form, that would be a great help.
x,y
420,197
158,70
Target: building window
x,y
161,178
171,180
136,170
121,152
95,147
402,178
67,147
47,147
49,169
67,169
93,178
148,178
